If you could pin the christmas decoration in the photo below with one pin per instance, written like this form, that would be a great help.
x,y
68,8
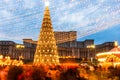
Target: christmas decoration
x,y
46,51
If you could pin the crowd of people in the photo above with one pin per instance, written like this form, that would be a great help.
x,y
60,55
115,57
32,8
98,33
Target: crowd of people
x,y
58,72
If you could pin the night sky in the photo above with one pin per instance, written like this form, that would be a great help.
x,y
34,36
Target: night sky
x,y
92,19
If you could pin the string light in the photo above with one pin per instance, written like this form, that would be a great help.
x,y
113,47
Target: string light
x,y
45,42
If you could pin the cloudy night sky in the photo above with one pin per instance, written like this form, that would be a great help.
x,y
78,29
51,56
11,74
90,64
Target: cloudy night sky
x,y
92,19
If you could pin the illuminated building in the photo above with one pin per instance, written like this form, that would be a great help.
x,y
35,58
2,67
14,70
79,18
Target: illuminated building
x,y
76,49
60,36
65,36
46,50
6,47
73,49
10,48
69,49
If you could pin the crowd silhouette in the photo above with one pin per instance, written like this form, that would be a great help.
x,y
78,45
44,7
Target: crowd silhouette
x,y
59,72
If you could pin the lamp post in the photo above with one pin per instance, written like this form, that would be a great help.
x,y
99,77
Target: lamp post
x,y
89,51
20,47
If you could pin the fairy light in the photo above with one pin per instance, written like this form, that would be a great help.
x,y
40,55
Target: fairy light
x,y
47,51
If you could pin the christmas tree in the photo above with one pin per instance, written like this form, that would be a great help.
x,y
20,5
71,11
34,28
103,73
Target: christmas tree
x,y
46,50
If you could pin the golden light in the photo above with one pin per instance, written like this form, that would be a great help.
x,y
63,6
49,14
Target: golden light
x,y
20,46
73,56
115,43
102,59
17,46
106,53
48,52
57,56
91,46
47,59
36,55
8,61
37,60
1,56
8,57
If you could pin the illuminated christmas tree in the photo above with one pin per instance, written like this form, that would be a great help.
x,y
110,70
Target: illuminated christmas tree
x,y
46,50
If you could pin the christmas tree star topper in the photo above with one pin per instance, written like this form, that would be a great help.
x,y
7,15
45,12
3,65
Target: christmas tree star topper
x,y
46,3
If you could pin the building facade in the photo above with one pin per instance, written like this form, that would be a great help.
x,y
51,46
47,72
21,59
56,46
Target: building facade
x,y
68,49
46,50
7,47
62,36
104,47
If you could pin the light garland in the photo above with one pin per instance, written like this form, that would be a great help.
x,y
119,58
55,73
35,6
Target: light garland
x,y
46,41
